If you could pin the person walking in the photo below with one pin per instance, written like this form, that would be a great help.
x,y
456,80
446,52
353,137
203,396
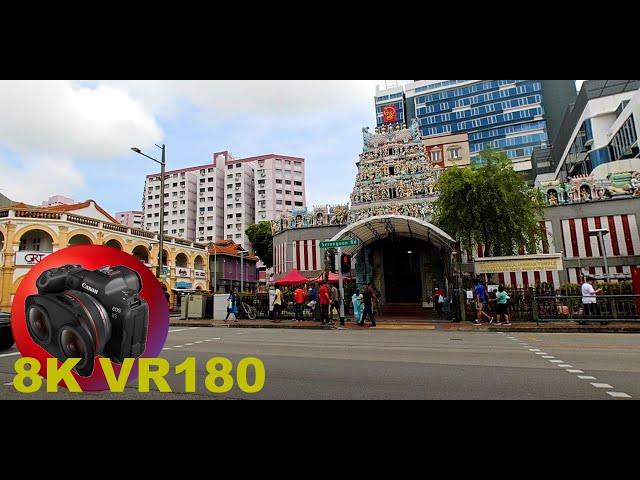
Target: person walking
x,y
356,300
232,307
481,297
299,296
368,298
502,307
589,301
325,303
438,300
277,307
335,302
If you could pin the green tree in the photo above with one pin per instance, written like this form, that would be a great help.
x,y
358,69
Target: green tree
x,y
490,203
261,238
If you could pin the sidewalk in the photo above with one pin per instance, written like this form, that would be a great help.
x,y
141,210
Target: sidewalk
x,y
564,327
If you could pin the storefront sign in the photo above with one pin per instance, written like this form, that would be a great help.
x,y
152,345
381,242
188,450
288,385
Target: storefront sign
x,y
200,273
24,259
184,285
183,272
525,263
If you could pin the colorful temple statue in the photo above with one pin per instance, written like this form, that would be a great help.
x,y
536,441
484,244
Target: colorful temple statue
x,y
585,188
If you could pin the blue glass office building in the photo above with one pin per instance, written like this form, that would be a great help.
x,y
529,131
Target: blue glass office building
x,y
516,116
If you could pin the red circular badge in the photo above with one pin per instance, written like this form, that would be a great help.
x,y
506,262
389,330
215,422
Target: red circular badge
x,y
90,302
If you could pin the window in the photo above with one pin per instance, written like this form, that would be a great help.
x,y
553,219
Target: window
x,y
238,165
278,202
210,199
175,204
278,192
279,181
238,235
174,222
287,203
230,215
183,202
297,194
454,153
297,184
229,167
175,184
436,156
209,228
287,182
299,204
210,179
181,212
230,195
210,209
287,192
238,205
182,220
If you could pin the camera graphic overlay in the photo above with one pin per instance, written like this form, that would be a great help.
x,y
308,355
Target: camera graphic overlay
x,y
80,313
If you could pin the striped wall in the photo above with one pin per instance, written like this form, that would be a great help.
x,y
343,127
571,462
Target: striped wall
x,y
622,240
307,255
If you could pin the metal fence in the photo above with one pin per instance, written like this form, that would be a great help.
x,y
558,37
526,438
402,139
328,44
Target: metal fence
x,y
549,305
609,308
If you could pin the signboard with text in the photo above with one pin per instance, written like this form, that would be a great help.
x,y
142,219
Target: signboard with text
x,y
28,259
183,272
340,243
524,263
200,273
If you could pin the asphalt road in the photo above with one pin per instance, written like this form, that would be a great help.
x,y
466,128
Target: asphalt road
x,y
378,365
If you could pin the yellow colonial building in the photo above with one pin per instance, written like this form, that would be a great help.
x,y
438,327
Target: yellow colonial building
x,y
28,234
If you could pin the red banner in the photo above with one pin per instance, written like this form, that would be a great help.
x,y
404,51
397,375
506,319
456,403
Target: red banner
x,y
390,114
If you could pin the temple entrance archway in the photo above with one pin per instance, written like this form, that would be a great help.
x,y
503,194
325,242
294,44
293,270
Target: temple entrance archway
x,y
403,257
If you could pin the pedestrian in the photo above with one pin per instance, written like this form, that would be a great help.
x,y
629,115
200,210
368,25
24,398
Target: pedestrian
x,y
298,297
356,300
277,306
232,307
480,296
368,298
589,301
272,299
438,299
325,303
335,302
502,307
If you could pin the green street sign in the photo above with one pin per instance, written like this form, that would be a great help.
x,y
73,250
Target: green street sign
x,y
340,243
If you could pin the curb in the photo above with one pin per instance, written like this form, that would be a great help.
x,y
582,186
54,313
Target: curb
x,y
452,327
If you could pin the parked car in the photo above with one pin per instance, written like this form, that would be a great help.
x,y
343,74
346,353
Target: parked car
x,y
6,338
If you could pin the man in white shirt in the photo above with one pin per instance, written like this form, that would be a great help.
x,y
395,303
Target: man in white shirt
x,y
589,300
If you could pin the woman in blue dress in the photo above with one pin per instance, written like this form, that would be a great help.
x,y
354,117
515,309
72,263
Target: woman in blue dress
x,y
358,306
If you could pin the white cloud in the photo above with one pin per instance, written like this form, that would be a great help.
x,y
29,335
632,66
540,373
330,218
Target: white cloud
x,y
230,98
38,178
56,117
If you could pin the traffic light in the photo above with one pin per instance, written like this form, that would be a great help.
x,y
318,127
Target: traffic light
x,y
345,263
332,263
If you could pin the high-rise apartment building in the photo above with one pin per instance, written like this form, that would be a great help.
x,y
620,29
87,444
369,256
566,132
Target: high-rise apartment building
x,y
516,116
130,219
222,199
280,186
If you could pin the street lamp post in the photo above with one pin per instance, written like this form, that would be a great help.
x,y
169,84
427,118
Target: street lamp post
x,y
242,254
600,233
161,233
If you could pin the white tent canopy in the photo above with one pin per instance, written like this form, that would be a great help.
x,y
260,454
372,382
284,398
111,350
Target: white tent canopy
x,y
370,230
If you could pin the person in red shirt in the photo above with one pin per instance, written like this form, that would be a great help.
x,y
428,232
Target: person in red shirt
x,y
299,296
438,300
325,302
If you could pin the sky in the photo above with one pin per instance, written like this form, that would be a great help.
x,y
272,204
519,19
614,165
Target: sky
x,y
74,137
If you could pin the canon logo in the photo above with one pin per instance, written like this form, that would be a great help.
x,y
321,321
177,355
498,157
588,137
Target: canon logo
x,y
90,289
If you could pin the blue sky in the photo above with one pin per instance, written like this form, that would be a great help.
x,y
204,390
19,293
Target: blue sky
x,y
73,138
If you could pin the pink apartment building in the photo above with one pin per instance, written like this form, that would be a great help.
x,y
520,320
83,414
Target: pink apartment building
x,y
130,219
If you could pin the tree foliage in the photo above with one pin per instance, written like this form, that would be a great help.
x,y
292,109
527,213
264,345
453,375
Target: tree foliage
x,y
261,238
492,204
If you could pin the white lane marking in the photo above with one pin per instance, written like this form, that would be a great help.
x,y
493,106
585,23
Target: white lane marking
x,y
188,344
574,371
511,338
556,361
586,377
209,340
177,346
8,384
619,395
183,329
9,354
541,353
601,385
565,366
241,333
534,349
166,349
198,343
548,356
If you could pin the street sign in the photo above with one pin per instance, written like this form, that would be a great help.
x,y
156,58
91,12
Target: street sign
x,y
340,243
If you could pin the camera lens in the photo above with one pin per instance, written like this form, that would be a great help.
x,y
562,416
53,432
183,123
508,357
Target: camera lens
x,y
73,345
39,323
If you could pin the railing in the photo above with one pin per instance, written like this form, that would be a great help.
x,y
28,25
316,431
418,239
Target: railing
x,y
37,214
114,228
83,221
609,308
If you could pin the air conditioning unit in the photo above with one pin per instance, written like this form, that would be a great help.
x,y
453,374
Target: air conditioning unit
x,y
263,216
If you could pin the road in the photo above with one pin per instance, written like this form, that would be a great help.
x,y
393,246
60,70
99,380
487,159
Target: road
x,y
379,365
